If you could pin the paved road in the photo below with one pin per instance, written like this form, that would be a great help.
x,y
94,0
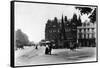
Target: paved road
x,y
31,56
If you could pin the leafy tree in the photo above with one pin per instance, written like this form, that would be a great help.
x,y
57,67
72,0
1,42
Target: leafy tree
x,y
21,38
93,16
84,10
88,10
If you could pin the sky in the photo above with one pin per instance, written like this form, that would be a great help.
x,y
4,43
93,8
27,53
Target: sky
x,y
32,17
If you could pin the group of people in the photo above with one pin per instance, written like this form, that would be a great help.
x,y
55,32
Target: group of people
x,y
48,48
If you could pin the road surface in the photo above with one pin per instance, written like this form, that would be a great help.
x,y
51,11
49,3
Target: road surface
x,y
32,56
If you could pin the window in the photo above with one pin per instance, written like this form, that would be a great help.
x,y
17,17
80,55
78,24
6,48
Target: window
x,y
82,30
86,35
82,35
90,35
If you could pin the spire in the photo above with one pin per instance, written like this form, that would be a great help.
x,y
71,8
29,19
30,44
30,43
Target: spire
x,y
62,29
79,21
62,21
62,18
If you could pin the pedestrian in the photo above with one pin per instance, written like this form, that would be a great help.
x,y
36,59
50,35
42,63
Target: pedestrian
x,y
47,49
36,47
50,48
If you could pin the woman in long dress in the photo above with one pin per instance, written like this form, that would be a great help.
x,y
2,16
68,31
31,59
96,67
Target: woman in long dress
x,y
47,50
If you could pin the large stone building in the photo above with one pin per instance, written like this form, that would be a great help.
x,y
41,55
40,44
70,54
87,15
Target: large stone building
x,y
86,34
62,32
52,30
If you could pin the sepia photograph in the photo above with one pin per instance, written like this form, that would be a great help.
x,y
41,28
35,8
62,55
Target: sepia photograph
x,y
51,33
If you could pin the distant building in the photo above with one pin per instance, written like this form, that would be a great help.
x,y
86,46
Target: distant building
x,y
86,34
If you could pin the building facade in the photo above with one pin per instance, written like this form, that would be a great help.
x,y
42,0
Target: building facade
x,y
86,34
62,32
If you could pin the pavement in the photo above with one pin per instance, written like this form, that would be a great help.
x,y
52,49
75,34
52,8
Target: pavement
x,y
32,56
